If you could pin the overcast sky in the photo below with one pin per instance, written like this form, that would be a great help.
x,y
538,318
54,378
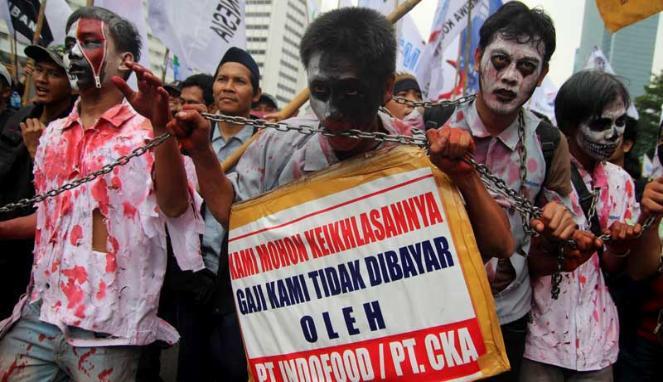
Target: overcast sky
x,y
567,16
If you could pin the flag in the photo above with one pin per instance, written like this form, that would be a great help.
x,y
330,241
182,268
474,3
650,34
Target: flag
x,y
480,12
617,14
543,99
383,6
410,45
21,17
312,9
598,61
198,32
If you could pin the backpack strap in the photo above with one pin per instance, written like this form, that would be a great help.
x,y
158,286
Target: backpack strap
x,y
549,136
586,199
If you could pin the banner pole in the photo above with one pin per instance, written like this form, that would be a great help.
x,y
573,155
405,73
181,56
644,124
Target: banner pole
x,y
35,40
468,46
165,65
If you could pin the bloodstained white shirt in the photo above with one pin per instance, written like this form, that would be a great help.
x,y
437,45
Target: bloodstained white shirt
x,y
580,330
116,291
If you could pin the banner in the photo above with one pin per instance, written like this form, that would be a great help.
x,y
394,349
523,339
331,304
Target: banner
x,y
21,16
366,271
543,100
598,61
198,32
617,14
410,45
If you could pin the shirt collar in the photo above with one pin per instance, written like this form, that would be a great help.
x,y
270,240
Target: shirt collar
x,y
598,178
509,136
241,135
116,115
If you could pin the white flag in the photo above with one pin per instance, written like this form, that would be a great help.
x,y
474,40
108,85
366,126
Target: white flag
x,y
198,32
57,12
410,45
543,99
383,6
598,61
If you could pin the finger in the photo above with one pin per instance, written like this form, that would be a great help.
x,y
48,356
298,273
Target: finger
x,y
537,225
23,126
196,107
123,86
567,232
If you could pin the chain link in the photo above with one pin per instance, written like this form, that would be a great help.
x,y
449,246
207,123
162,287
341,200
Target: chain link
x,y
121,161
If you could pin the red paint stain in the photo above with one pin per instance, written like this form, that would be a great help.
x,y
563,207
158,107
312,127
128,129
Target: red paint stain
x,y
55,265
65,207
77,273
57,305
129,210
75,235
80,311
15,367
582,279
460,116
100,194
104,375
596,315
577,343
111,257
116,183
101,293
41,337
71,289
84,357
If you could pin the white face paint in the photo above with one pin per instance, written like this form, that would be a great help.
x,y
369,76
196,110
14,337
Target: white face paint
x,y
510,72
600,137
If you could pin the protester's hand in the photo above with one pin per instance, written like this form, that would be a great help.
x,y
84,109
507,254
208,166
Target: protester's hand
x,y
622,237
191,129
652,198
31,130
448,147
28,68
151,99
556,222
586,244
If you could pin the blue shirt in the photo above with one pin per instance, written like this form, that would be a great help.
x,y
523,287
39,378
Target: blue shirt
x,y
214,231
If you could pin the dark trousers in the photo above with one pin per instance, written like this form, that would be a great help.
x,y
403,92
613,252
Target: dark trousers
x,y
639,361
514,334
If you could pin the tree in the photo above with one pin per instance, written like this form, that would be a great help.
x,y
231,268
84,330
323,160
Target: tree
x,y
649,108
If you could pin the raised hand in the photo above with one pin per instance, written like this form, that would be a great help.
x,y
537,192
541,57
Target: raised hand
x,y
31,130
652,199
191,129
448,147
151,99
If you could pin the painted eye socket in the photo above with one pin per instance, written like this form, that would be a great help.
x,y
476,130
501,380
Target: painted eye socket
x,y
499,61
526,67
621,121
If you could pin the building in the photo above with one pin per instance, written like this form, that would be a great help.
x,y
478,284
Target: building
x,y
630,50
274,29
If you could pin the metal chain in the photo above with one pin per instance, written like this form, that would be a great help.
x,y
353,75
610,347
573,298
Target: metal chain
x,y
121,161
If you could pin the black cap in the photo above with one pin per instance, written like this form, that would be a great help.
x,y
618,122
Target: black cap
x,y
268,99
53,53
243,57
174,88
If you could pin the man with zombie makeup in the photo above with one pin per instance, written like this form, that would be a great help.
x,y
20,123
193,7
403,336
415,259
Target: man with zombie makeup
x,y
575,337
100,249
515,46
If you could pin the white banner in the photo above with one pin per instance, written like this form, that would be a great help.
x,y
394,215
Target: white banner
x,y
543,100
198,32
598,61
383,6
410,45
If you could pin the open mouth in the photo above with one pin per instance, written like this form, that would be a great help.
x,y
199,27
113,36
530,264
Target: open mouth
x,y
41,91
504,95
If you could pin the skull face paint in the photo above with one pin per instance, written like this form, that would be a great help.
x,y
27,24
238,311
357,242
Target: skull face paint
x,y
510,72
87,47
600,136
342,98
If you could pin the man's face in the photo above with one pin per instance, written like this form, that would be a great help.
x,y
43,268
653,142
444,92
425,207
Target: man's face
x,y
233,92
51,83
400,110
264,108
91,58
509,73
342,98
192,95
599,136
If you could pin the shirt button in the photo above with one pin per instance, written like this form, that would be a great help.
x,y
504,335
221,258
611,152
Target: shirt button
x,y
48,285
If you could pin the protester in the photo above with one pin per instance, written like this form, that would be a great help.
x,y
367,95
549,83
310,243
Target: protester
x,y
100,250
515,46
405,86
53,100
211,344
174,90
265,105
576,335
197,90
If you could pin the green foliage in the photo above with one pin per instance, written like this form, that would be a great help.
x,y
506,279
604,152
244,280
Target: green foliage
x,y
649,108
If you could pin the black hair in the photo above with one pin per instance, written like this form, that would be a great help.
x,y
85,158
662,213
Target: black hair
x,y
124,33
362,34
515,21
204,82
584,96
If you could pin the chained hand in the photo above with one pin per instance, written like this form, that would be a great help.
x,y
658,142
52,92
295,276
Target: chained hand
x,y
448,149
191,129
555,222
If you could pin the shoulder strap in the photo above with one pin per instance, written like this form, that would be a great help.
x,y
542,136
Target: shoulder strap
x,y
586,198
549,136
437,116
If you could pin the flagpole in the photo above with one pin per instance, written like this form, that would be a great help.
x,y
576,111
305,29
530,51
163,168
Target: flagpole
x,y
35,40
468,46
301,98
12,48
165,65
89,3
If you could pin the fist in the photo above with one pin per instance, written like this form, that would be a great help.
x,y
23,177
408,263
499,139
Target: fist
x,y
448,148
556,222
622,236
586,244
652,198
191,129
31,130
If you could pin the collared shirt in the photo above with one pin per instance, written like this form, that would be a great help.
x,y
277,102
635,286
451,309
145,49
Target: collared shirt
x,y
278,158
214,231
580,330
500,154
115,292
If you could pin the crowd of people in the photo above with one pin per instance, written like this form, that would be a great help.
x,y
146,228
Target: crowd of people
x,y
97,281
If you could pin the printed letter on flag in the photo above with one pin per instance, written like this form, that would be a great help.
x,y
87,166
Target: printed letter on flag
x,y
617,14
368,270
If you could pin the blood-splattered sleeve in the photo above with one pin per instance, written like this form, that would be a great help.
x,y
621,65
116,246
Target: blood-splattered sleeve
x,y
252,171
